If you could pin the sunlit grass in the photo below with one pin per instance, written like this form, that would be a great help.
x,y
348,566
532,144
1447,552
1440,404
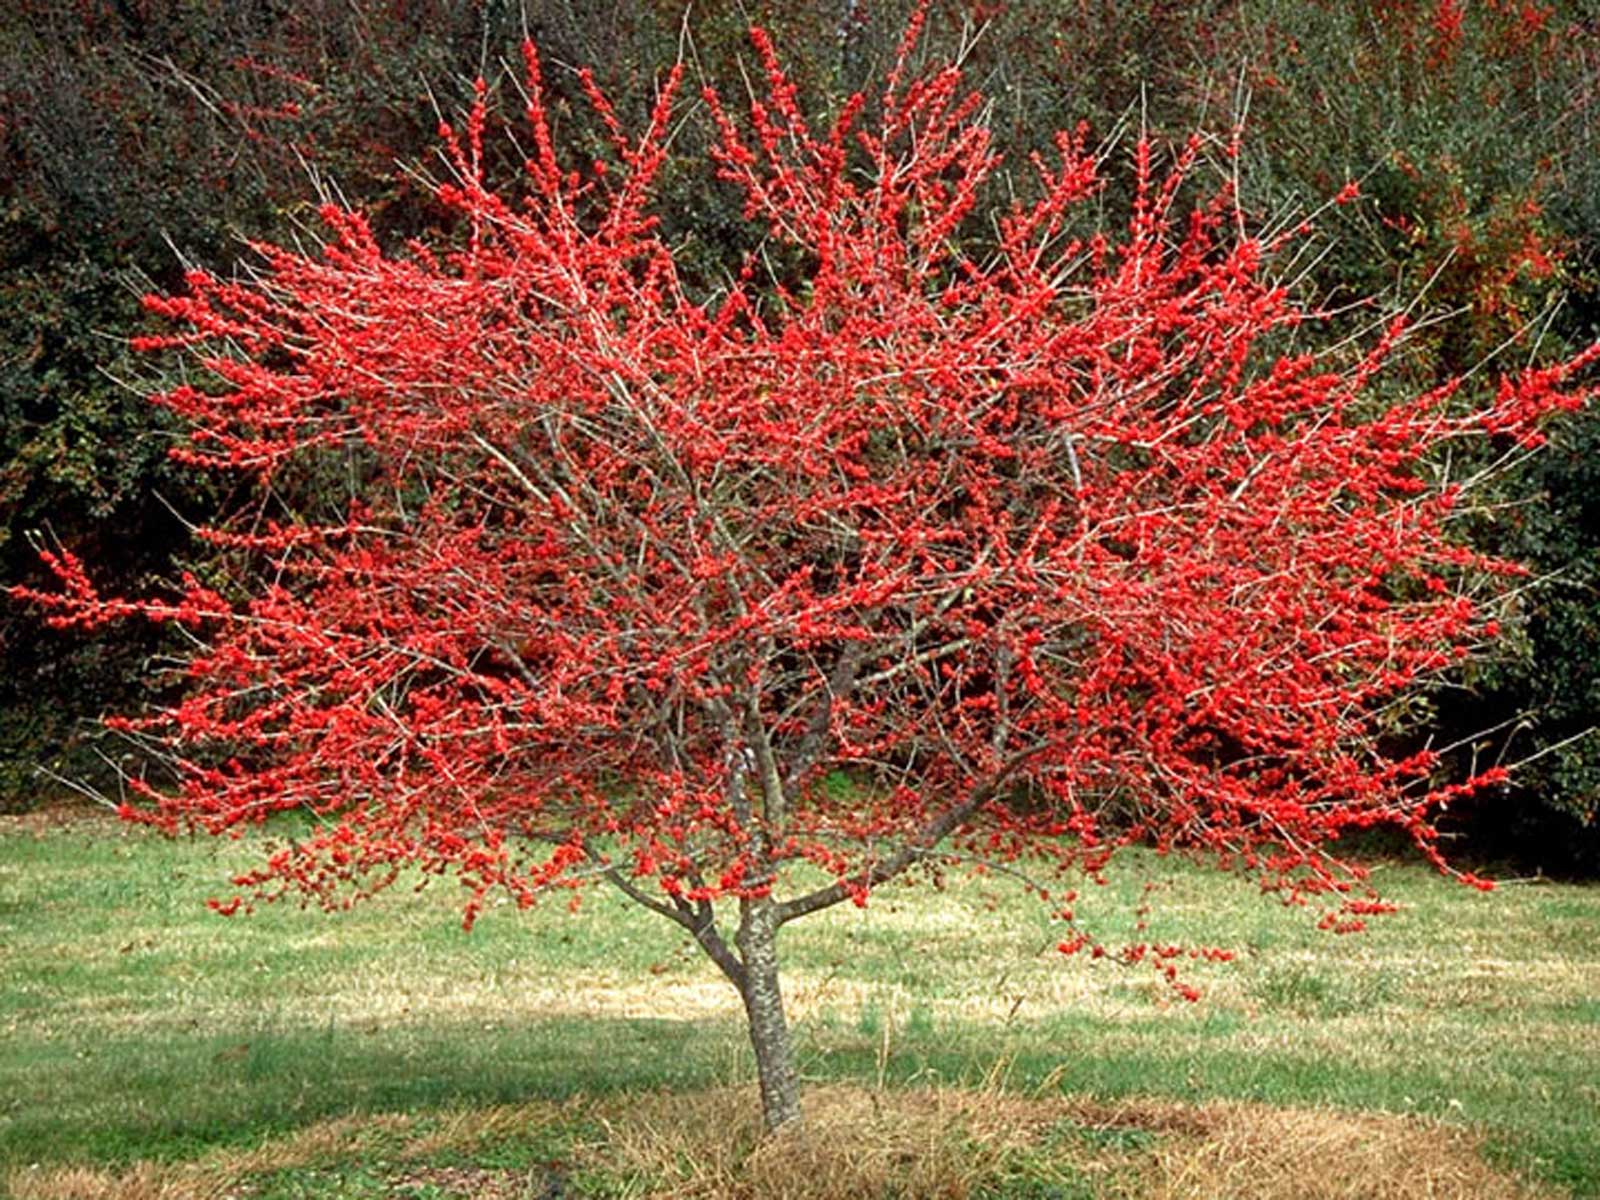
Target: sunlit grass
x,y
136,1025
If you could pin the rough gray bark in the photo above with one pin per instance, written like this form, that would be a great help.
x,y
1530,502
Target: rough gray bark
x,y
763,1005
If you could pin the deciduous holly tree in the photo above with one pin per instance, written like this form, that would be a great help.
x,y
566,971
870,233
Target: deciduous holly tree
x,y
746,603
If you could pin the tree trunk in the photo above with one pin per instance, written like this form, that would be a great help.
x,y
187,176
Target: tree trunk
x,y
763,1005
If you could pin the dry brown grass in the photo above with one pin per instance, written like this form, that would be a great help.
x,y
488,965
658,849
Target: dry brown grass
x,y
1235,1149
856,1142
943,1144
142,1182
916,1144
147,1182
60,816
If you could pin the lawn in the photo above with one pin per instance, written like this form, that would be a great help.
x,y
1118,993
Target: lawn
x,y
149,1047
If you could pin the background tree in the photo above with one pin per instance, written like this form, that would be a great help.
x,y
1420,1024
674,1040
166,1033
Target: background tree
x,y
139,136
1473,129
750,601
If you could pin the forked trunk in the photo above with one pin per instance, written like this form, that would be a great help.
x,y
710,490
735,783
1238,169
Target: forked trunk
x,y
769,1030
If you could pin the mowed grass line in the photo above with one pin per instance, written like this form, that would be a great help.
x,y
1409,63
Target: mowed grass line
x,y
136,1025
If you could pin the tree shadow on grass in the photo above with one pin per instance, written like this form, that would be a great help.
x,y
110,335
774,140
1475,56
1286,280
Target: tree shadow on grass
x,y
169,1098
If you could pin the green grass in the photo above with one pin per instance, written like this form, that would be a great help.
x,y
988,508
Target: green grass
x,y
136,1025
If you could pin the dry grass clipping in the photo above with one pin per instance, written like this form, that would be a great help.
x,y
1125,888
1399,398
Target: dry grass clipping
x,y
856,1142
914,1144
945,1144
1232,1149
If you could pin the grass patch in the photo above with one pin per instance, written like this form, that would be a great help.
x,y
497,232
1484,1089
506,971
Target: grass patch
x,y
141,1033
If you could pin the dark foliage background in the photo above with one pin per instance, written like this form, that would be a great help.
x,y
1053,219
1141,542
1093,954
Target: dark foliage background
x,y
138,135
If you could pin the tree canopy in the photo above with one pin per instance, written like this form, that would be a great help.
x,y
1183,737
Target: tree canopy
x,y
912,549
